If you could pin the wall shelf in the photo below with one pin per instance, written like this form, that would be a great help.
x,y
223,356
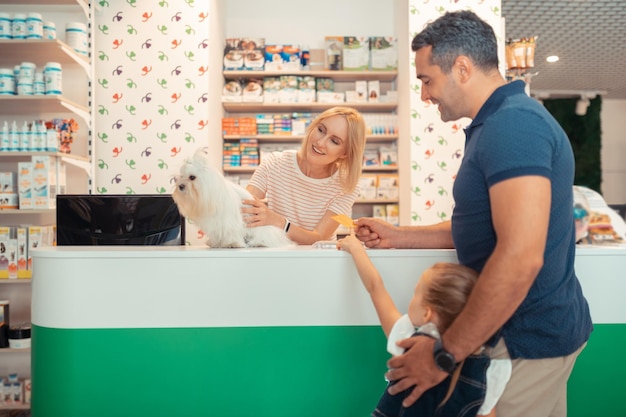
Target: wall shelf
x,y
304,107
335,75
294,138
41,51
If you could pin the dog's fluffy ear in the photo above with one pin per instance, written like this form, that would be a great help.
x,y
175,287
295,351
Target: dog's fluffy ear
x,y
201,156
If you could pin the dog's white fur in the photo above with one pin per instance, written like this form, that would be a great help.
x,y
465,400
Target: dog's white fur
x,y
214,203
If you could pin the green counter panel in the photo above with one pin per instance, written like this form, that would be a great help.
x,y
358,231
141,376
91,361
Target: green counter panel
x,y
255,371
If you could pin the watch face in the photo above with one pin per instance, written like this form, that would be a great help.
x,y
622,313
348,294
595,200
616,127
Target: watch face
x,y
444,359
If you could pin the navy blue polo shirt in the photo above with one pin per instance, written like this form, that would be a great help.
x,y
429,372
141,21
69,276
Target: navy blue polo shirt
x,y
512,136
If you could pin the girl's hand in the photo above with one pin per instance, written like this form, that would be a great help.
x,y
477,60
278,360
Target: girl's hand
x,y
350,243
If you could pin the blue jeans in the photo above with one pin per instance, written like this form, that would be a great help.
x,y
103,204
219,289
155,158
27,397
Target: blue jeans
x,y
465,401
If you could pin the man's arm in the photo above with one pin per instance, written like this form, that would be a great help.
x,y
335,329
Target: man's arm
x,y
376,233
521,212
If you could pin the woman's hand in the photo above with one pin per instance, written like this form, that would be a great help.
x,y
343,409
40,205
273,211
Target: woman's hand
x,y
255,214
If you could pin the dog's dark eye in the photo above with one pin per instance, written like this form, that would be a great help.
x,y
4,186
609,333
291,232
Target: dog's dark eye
x,y
192,177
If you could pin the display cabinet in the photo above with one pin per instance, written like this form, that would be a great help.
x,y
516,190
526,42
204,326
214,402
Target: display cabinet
x,y
74,103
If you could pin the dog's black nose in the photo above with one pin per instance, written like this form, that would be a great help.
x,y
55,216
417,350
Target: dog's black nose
x,y
181,187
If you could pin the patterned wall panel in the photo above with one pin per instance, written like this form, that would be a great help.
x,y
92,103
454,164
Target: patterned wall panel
x,y
437,147
150,92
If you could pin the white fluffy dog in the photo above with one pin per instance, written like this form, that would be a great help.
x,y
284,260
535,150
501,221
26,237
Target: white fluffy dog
x,y
213,203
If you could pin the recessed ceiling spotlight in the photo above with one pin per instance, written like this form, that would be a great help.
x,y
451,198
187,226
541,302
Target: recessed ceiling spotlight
x,y
552,58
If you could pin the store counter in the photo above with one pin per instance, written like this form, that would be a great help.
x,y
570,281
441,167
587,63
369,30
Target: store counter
x,y
192,331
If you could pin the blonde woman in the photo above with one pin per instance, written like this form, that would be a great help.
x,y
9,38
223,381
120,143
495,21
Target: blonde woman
x,y
300,191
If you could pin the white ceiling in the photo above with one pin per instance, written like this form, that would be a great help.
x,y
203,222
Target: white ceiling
x,y
589,36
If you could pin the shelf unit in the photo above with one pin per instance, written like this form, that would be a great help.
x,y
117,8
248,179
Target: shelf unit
x,y
341,78
75,102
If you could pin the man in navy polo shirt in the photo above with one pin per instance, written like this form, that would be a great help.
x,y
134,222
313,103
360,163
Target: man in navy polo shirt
x,y
512,221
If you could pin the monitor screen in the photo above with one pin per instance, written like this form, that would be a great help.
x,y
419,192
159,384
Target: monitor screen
x,y
128,219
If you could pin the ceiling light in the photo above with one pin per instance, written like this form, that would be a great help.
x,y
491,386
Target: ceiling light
x,y
581,106
552,58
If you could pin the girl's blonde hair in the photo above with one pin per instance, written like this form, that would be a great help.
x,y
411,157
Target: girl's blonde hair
x,y
447,291
349,167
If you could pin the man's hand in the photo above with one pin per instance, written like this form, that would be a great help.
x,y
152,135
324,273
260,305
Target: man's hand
x,y
375,233
414,368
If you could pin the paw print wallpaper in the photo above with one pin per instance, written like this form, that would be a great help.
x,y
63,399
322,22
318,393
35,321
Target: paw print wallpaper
x,y
437,147
150,90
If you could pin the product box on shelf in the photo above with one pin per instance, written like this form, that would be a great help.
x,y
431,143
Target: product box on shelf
x,y
387,187
9,201
8,252
288,89
379,211
393,214
371,156
389,156
383,53
271,89
291,58
46,184
8,182
232,91
334,52
332,97
356,53
244,54
323,84
25,185
306,89
373,91
22,249
367,186
361,91
252,90
254,54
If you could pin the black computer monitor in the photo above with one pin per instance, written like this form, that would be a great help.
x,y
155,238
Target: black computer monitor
x,y
126,219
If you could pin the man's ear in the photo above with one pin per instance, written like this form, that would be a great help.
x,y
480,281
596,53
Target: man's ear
x,y
463,68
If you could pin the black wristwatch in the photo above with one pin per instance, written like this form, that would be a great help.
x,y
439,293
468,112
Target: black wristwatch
x,y
444,359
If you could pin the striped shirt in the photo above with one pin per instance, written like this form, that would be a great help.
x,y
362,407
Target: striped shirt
x,y
301,199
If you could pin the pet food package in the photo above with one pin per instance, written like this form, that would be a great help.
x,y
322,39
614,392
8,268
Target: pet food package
x,y
252,90
46,183
244,54
35,240
271,89
383,53
306,89
25,185
367,187
288,89
387,187
8,182
334,52
356,53
8,253
232,91
22,251
393,214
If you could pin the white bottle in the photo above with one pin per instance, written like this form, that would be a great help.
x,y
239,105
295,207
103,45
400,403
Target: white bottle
x,y
4,137
39,137
52,140
14,137
26,138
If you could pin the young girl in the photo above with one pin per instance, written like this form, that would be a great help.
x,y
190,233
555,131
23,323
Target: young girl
x,y
439,297
305,189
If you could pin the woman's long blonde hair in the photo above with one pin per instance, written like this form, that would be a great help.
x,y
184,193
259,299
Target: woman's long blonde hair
x,y
349,167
